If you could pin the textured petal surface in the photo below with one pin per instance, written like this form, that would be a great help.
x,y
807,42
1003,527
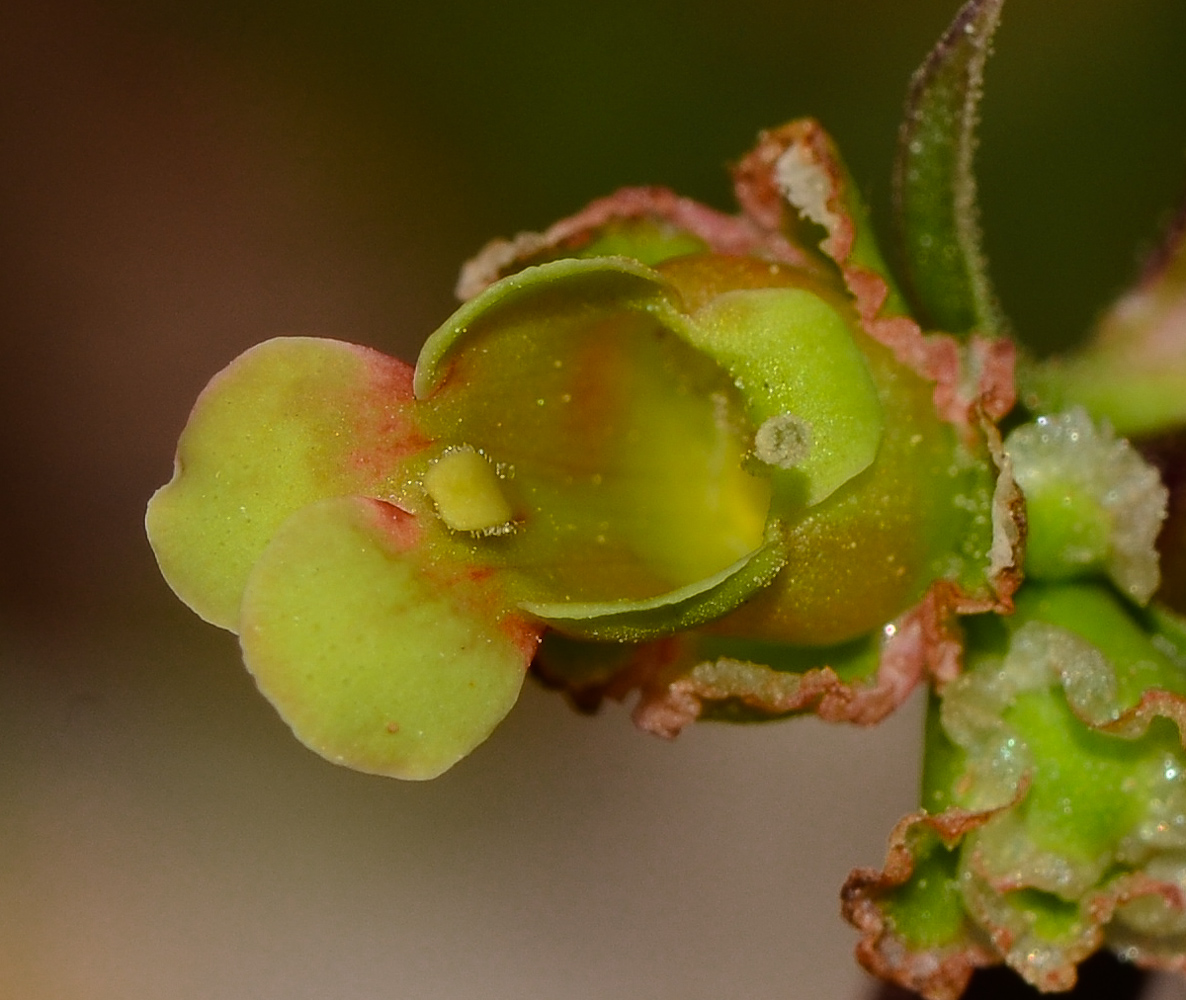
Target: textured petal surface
x,y
288,422
379,657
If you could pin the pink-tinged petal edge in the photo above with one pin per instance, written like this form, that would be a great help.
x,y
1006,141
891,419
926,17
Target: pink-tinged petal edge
x,y
725,234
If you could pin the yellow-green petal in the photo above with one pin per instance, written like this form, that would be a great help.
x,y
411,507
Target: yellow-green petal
x,y
379,656
618,449
290,421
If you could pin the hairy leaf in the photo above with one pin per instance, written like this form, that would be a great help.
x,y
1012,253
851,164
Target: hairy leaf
x,y
937,220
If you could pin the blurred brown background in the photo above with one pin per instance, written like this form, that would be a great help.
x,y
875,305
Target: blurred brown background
x,y
181,179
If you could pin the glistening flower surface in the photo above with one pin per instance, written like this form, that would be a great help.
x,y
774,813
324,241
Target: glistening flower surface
x,y
613,451
715,460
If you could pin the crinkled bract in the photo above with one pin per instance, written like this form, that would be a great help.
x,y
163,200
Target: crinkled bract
x,y
1055,803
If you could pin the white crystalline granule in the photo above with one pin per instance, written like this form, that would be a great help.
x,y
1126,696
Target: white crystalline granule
x,y
783,441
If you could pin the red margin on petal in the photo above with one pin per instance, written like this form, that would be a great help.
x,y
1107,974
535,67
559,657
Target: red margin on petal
x,y
725,234
937,357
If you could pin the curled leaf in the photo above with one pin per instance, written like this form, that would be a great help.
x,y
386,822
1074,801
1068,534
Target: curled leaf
x,y
1055,818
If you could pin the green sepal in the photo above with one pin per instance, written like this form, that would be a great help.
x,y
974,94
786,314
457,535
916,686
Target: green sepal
x,y
380,655
936,214
291,421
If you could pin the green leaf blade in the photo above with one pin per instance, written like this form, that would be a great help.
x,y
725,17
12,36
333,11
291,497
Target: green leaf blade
x,y
936,214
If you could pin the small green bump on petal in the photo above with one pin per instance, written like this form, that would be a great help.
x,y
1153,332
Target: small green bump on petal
x,y
465,489
379,656
783,441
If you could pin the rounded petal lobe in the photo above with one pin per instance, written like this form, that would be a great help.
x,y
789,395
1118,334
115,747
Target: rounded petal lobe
x,y
291,421
379,657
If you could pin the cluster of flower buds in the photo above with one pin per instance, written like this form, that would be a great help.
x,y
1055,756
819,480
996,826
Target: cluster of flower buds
x,y
725,463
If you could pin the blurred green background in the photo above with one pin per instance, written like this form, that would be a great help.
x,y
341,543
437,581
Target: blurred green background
x,y
181,179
